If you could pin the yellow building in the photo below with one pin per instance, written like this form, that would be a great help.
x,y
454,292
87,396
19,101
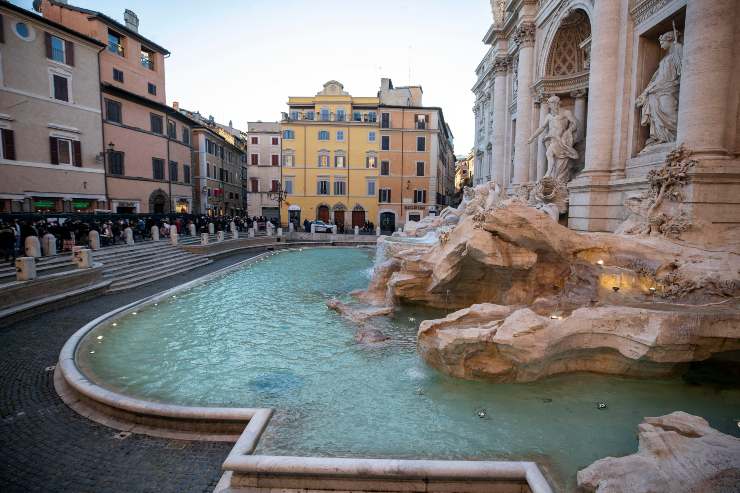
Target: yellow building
x,y
330,158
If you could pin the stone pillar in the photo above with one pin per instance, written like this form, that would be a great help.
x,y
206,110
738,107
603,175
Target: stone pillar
x,y
220,236
706,77
129,236
357,231
334,230
155,233
313,228
83,258
25,268
173,235
49,245
204,238
268,228
500,114
377,230
251,232
32,246
211,228
191,228
579,112
524,38
541,157
291,227
235,234
93,239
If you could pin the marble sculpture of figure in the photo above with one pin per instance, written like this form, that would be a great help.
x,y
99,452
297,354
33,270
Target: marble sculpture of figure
x,y
659,100
561,129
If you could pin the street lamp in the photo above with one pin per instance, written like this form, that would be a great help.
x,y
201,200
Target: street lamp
x,y
280,195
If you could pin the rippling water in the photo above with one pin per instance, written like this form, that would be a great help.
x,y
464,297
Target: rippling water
x,y
263,337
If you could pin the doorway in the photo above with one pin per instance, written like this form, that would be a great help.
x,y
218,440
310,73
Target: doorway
x,y
322,213
358,218
387,222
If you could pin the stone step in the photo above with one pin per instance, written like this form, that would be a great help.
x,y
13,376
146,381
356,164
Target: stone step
x,y
147,264
133,254
137,281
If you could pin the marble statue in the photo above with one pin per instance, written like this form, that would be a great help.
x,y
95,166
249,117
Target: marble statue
x,y
561,127
659,100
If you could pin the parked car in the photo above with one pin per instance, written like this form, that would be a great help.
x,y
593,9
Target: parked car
x,y
322,227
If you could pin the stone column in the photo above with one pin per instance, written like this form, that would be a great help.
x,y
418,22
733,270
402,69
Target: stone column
x,y
32,246
579,111
541,157
93,239
211,228
500,113
706,77
524,38
155,233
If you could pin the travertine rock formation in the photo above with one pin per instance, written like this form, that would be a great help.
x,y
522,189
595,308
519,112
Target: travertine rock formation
x,y
677,453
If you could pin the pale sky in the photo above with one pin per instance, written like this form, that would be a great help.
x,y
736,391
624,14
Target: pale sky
x,y
241,60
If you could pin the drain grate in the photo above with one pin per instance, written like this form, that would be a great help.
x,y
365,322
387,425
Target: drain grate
x,y
121,435
50,368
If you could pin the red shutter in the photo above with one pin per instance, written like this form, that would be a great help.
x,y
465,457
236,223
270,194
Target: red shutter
x,y
53,147
8,144
2,30
77,151
69,51
47,40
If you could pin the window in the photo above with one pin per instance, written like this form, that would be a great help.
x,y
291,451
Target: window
x,y
339,161
275,160
7,151
147,58
288,134
340,187
294,115
421,143
421,122
385,168
157,123
56,46
384,195
115,163
173,171
385,120
340,135
113,111
118,75
171,129
23,31
322,186
371,161
372,117
340,115
60,89
309,115
420,196
152,89
419,168
357,117
288,187
186,173
275,141
158,168
324,159
275,185
254,185
186,135
324,114
288,160
385,143
115,43
61,151
371,188
254,159
323,135
254,140
371,136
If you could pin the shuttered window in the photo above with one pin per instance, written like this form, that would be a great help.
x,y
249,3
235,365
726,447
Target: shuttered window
x,y
65,151
115,163
2,30
420,196
157,123
60,89
158,168
384,195
186,173
113,111
173,171
8,148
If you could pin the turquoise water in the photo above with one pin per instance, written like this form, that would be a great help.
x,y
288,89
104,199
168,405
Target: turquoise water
x,y
263,337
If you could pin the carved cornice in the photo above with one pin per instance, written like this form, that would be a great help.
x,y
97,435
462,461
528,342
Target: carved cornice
x,y
524,34
641,10
561,85
500,66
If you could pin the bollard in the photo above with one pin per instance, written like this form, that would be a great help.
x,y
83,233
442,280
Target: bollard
x,y
268,229
204,238
155,233
93,240
129,235
25,268
377,231
211,228
235,234
280,232
400,229
32,247
191,227
220,236
313,228
49,245
334,229
173,235
82,257
357,231
291,228
251,232
232,226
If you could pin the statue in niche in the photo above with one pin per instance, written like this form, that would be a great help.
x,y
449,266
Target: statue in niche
x,y
561,127
659,100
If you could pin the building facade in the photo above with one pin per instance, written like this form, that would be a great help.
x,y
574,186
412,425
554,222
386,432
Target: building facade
x,y
464,171
416,170
634,79
51,157
330,158
264,158
148,150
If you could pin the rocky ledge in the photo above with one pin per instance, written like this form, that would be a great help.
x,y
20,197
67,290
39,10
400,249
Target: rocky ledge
x,y
676,453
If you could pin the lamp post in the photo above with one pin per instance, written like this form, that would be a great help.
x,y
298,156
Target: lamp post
x,y
280,195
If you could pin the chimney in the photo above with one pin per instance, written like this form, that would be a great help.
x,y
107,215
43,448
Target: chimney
x,y
176,105
230,125
386,84
211,119
131,20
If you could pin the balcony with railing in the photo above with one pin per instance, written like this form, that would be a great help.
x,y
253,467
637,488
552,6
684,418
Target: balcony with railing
x,y
294,116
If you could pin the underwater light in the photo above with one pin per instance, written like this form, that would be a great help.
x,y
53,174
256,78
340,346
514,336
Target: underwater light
x,y
600,262
100,337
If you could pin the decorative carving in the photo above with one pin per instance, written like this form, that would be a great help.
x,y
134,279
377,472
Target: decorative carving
x,y
643,9
566,56
659,100
500,66
561,127
525,34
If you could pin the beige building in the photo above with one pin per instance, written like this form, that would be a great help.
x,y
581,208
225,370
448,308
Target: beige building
x,y
263,167
51,157
613,87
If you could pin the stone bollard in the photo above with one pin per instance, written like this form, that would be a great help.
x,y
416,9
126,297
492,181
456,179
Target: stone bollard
x,y
377,231
129,235
251,232
235,234
25,268
204,238
211,228
280,232
232,226
32,247
220,236
155,233
268,229
313,229
82,257
334,229
49,245
93,240
191,227
400,229
357,231
291,228
173,235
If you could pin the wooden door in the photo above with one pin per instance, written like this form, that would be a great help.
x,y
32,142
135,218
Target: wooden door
x,y
358,218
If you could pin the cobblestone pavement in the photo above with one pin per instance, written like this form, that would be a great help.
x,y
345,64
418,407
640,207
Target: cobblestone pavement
x,y
47,447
